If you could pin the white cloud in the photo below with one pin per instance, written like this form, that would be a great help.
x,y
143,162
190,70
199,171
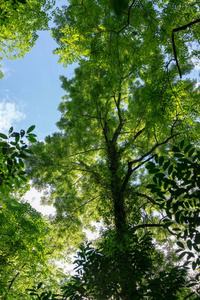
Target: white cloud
x,y
34,197
10,113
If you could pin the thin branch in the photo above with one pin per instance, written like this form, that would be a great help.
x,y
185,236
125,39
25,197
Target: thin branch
x,y
85,203
138,133
130,171
188,296
130,73
175,54
173,42
174,124
82,152
13,280
128,20
92,117
143,162
186,26
147,225
150,151
145,196
78,180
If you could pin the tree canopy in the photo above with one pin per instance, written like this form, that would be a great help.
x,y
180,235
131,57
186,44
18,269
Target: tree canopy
x,y
26,238
127,154
20,20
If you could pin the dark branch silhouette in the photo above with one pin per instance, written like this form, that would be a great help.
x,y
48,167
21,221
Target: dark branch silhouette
x,y
173,42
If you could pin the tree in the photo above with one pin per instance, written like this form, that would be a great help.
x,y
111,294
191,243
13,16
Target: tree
x,y
26,239
129,99
175,190
19,22
145,274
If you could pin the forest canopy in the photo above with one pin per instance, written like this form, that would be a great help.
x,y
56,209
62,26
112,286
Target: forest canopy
x,y
127,153
20,20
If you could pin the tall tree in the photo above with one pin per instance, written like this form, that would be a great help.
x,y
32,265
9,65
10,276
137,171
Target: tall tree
x,y
130,97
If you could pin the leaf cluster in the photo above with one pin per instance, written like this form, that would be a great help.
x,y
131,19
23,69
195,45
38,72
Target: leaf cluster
x,y
176,185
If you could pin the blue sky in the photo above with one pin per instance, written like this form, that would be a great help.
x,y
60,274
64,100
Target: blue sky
x,y
30,91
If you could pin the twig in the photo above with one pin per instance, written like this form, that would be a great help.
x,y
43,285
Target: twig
x,y
128,21
150,151
188,296
145,196
147,225
173,42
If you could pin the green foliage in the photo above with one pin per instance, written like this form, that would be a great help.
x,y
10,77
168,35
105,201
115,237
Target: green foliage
x,y
119,6
20,20
103,273
25,247
41,294
26,239
177,187
122,109
13,151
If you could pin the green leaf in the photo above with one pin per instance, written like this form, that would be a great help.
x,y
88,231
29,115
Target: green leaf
x,y
10,130
16,136
150,186
187,148
167,224
194,265
196,248
161,160
170,169
154,170
40,284
21,163
175,149
190,255
189,244
166,165
3,136
166,184
181,144
181,245
31,139
30,129
197,238
22,133
191,152
155,180
182,255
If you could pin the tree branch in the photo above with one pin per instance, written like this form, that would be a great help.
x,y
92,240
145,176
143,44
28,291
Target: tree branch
x,y
85,203
138,133
143,162
130,163
189,295
86,151
150,151
147,225
128,20
173,42
145,196
130,171
13,280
